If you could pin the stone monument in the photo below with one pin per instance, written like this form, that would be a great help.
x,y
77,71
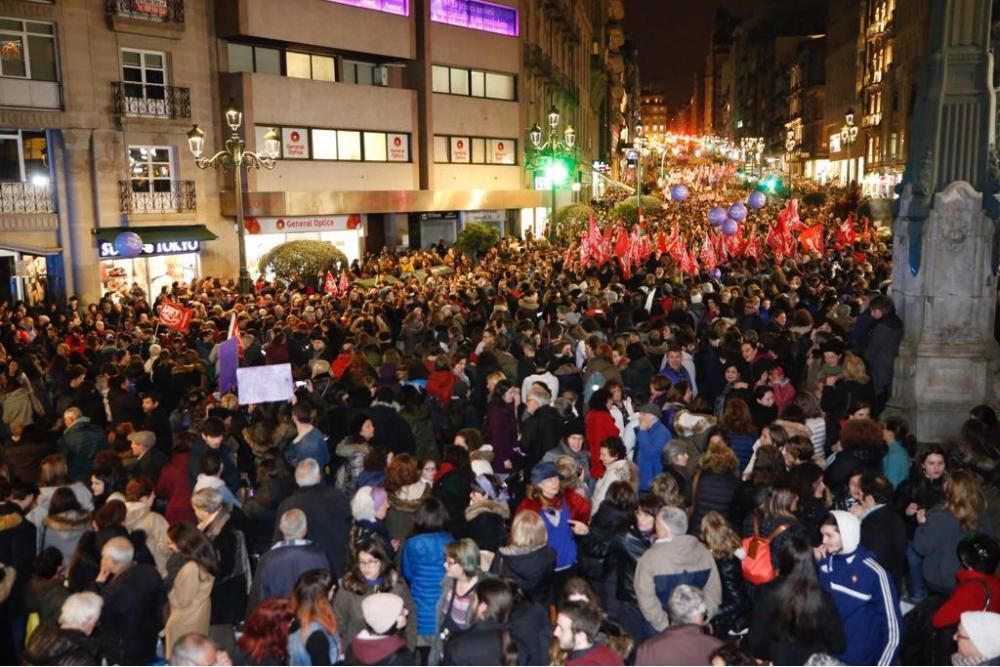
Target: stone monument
x,y
944,275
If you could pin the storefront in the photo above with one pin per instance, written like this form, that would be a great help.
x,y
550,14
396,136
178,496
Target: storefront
x,y
170,254
32,275
345,232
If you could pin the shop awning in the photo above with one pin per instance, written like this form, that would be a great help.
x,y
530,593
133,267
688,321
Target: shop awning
x,y
26,249
154,234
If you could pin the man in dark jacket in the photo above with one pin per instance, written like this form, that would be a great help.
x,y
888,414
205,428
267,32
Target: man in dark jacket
x,y
79,442
883,531
327,510
541,430
685,642
125,406
82,394
213,434
134,596
17,550
149,460
392,433
281,567
639,372
880,348
157,420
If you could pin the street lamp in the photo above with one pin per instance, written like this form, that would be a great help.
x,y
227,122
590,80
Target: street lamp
x,y
235,157
637,144
555,154
789,148
848,133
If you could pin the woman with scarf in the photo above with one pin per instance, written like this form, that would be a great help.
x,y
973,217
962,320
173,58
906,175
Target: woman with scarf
x,y
487,514
373,572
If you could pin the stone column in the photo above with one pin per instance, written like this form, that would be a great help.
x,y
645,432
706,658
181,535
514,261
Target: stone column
x,y
76,215
944,276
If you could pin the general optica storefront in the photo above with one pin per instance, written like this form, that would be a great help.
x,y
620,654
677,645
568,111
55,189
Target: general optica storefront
x,y
170,254
345,232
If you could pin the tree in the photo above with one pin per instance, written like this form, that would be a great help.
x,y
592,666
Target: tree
x,y
301,258
571,220
477,238
626,209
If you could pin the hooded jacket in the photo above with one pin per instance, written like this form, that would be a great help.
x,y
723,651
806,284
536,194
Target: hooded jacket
x,y
865,597
486,524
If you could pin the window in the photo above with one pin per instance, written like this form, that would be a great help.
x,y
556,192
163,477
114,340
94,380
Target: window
x,y
474,83
475,150
348,145
23,156
358,72
29,50
144,74
309,66
375,149
259,59
324,144
150,168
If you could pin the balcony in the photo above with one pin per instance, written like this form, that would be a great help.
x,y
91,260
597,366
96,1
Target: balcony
x,y
166,102
871,120
180,198
20,198
161,11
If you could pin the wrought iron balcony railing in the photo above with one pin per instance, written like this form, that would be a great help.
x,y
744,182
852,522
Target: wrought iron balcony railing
x,y
136,99
26,198
179,198
164,11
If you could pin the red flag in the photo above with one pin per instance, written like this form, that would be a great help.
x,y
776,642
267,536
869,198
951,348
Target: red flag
x,y
661,244
176,316
846,235
345,285
708,257
753,248
234,330
330,284
866,231
788,219
689,264
622,244
812,239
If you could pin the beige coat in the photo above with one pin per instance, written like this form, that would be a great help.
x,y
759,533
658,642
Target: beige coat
x,y
190,603
141,517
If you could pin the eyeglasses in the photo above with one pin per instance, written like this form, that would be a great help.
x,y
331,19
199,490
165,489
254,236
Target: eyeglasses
x,y
368,562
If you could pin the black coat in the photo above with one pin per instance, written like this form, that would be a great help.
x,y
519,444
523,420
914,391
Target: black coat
x,y
532,571
158,421
328,514
733,614
479,644
261,511
883,532
624,551
531,630
279,569
452,489
486,524
880,350
133,600
637,375
392,433
764,644
149,466
125,407
539,433
229,591
17,550
714,492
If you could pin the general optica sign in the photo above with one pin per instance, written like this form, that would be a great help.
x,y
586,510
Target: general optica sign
x,y
400,7
476,15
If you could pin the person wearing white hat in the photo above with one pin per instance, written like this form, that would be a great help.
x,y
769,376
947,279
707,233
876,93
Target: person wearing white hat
x,y
381,643
978,638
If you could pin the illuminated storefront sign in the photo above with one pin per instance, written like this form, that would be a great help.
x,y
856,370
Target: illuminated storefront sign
x,y
400,7
107,248
476,15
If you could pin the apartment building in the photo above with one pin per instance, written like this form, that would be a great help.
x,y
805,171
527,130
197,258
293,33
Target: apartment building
x,y
96,97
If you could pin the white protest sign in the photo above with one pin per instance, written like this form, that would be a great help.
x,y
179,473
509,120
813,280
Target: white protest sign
x,y
263,384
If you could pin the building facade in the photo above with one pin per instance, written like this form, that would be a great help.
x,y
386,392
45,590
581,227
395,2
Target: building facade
x,y
96,97
843,90
653,110
806,144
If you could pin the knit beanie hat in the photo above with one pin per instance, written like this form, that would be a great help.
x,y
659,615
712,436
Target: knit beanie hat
x,y
381,610
983,628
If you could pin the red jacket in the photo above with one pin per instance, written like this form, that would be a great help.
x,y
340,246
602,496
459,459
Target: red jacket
x,y
174,485
598,654
439,385
600,425
340,364
969,595
579,507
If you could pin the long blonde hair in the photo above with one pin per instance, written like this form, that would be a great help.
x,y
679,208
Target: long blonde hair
x,y
854,369
963,497
719,536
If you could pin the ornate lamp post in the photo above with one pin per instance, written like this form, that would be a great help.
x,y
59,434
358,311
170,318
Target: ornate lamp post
x,y
790,149
848,133
235,157
637,144
556,154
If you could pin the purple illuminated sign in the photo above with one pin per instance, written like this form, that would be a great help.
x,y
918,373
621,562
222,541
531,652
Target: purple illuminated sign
x,y
400,7
477,15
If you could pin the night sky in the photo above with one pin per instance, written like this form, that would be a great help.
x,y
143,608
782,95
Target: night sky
x,y
673,39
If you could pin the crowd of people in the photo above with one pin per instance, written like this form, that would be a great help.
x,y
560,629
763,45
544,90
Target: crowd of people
x,y
511,461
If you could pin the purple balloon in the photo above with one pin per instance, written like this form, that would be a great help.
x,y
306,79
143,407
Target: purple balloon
x,y
679,192
128,244
756,200
716,273
738,212
717,216
730,227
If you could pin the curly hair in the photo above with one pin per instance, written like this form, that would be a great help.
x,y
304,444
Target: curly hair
x,y
265,633
858,433
401,471
963,497
720,459
736,417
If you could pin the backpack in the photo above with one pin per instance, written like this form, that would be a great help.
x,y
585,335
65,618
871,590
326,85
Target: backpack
x,y
757,567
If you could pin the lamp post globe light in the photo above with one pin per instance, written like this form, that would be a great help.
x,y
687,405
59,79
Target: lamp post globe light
x,y
235,156
848,134
790,149
554,155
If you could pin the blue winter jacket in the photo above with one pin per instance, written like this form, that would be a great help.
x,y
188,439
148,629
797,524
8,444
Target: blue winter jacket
x,y
742,446
422,565
865,596
311,446
649,453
